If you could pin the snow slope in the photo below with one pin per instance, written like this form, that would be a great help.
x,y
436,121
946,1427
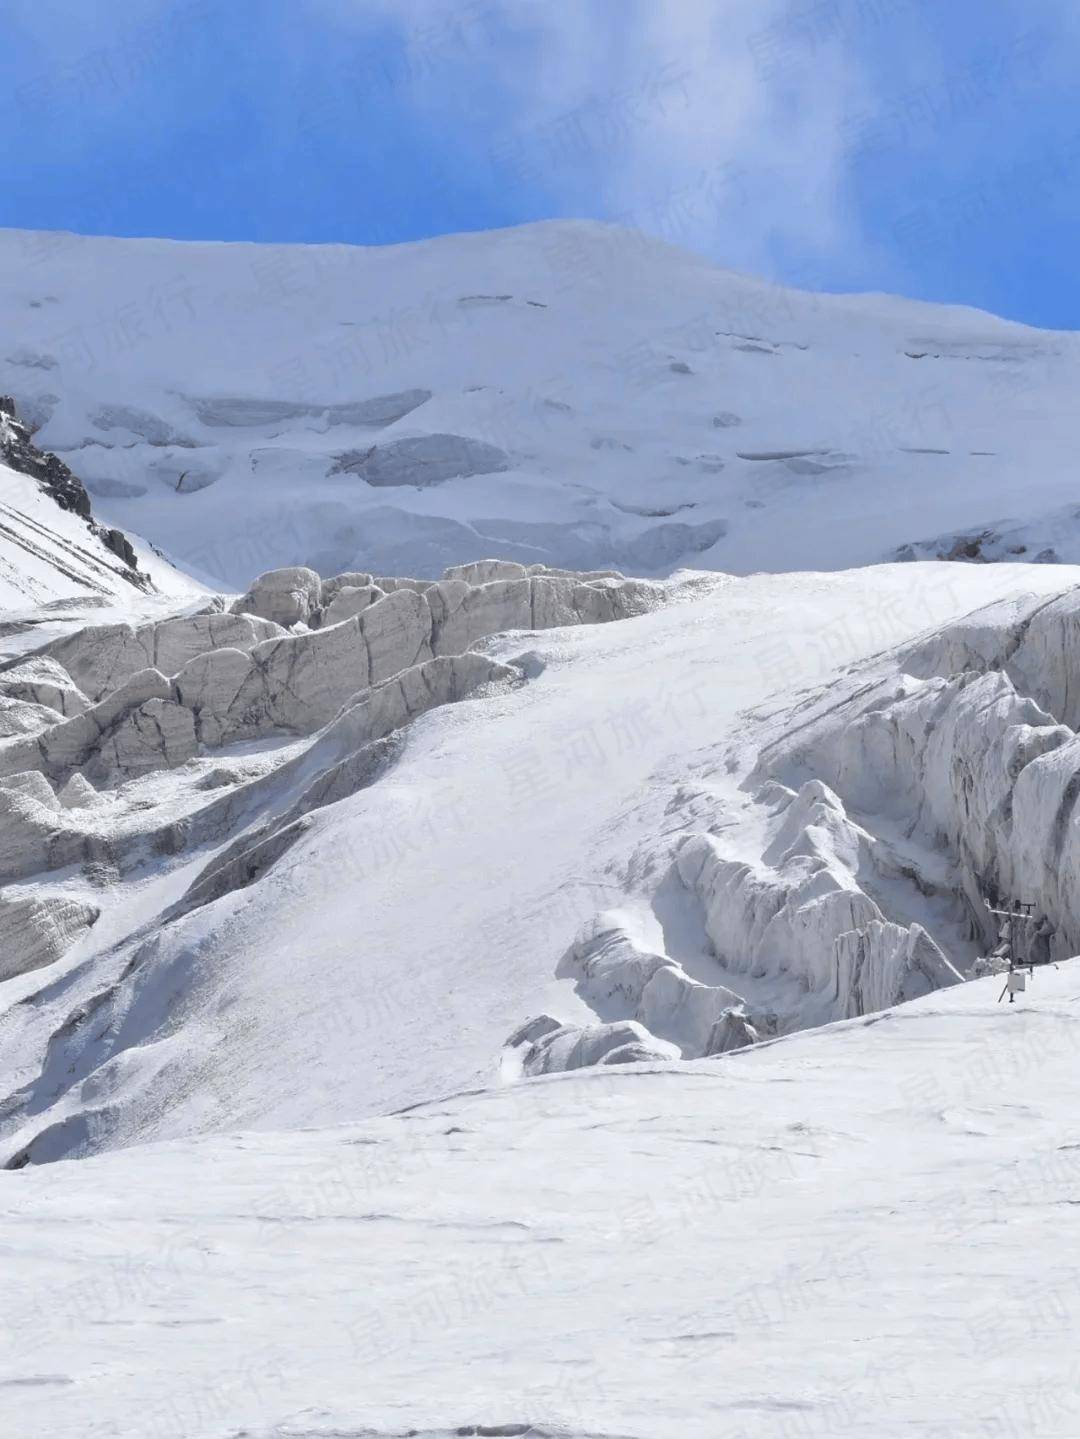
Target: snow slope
x,y
564,393
55,556
48,555
865,1231
379,917
317,854
54,551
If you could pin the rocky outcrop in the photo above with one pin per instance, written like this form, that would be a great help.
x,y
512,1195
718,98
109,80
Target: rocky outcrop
x,y
19,453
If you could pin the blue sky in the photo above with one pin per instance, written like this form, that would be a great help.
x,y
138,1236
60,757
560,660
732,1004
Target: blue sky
x,y
930,147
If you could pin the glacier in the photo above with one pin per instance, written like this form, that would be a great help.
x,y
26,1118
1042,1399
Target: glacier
x,y
501,811
566,393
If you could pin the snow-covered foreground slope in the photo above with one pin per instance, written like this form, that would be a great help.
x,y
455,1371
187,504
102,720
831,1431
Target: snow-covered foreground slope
x,y
563,393
252,912
864,1232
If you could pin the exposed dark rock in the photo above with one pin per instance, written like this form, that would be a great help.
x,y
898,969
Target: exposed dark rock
x,y
121,547
969,547
21,454
18,452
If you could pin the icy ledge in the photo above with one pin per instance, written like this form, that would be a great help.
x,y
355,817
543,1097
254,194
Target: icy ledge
x,y
140,699
797,914
883,817
206,742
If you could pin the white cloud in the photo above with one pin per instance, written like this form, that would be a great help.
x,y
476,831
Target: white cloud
x,y
719,124
762,126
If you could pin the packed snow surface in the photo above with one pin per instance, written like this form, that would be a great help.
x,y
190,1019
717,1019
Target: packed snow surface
x,y
865,1231
565,393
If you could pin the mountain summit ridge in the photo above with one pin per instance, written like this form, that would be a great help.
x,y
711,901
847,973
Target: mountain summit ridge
x,y
565,393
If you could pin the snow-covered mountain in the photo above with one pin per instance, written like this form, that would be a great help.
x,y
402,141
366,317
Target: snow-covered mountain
x,y
564,393
676,881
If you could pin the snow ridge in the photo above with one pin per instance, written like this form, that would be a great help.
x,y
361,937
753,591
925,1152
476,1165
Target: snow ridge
x,y
567,393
